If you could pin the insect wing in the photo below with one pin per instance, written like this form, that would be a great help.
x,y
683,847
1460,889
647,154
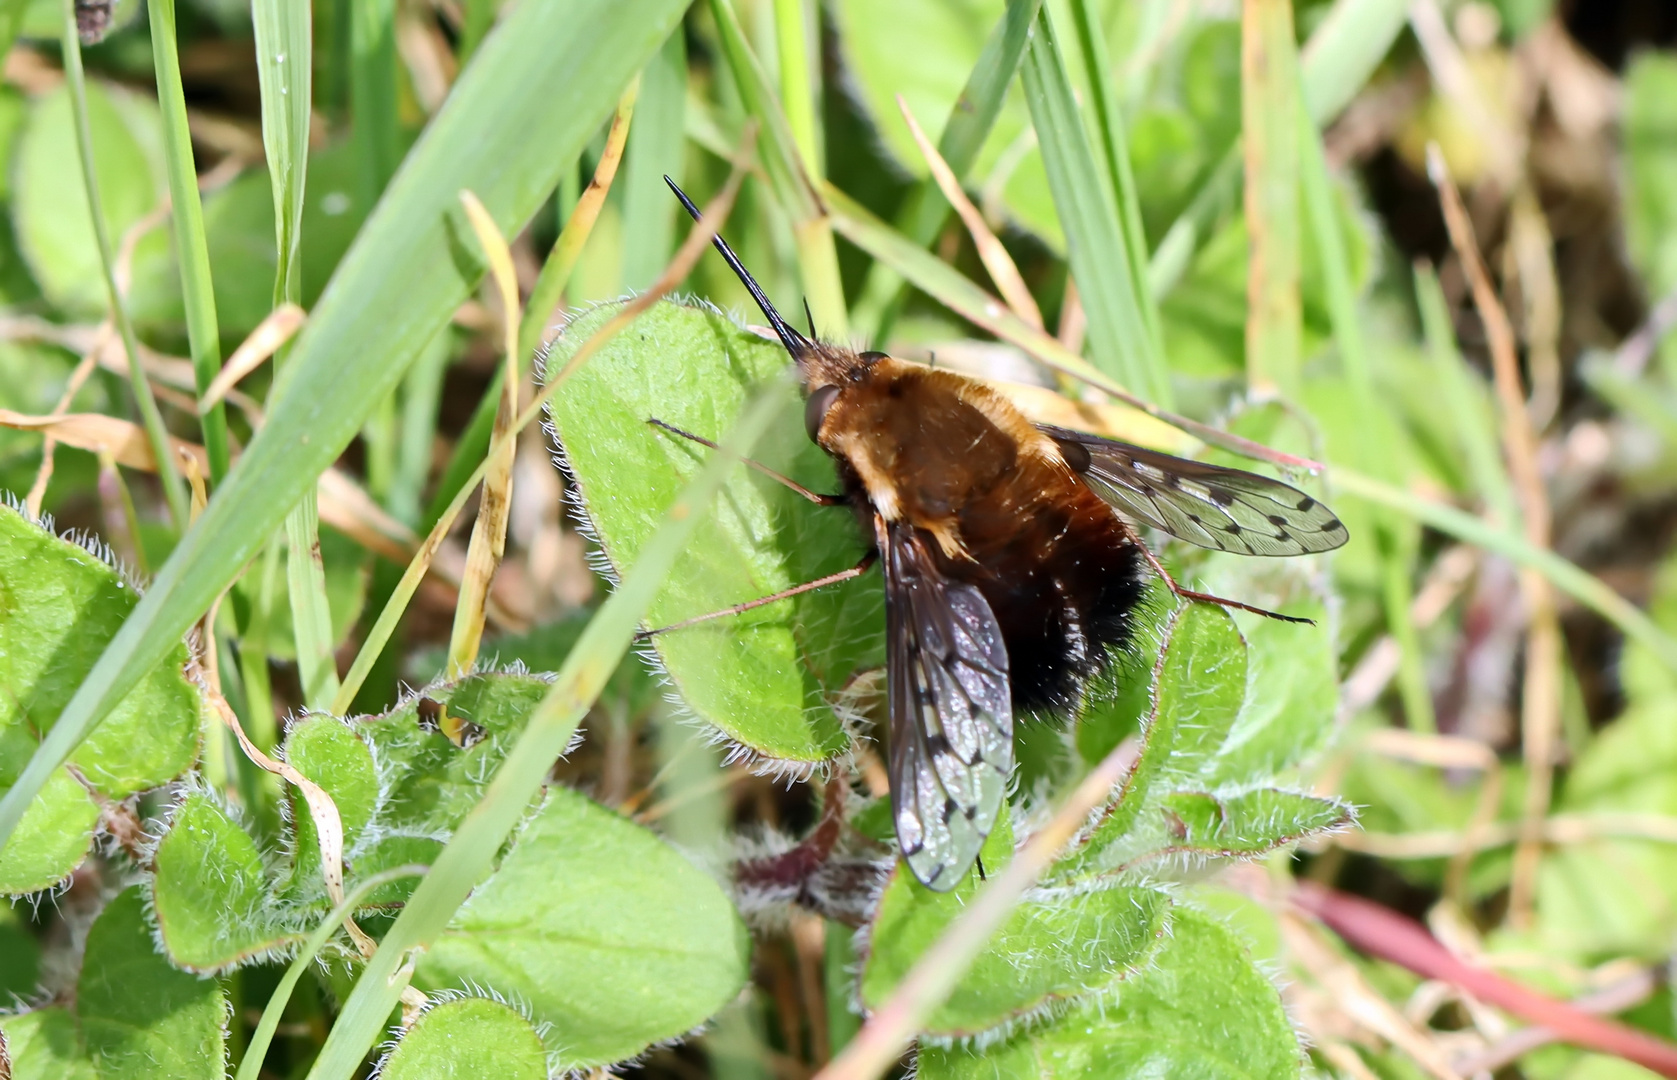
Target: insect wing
x,y
1214,507
951,713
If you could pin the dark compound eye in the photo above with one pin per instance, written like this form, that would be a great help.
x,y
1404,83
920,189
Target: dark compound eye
x,y
815,409
872,357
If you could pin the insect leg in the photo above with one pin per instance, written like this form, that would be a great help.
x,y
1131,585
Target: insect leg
x,y
1207,598
813,496
739,609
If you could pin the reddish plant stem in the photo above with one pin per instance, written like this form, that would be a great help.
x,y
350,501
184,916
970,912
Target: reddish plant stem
x,y
1383,933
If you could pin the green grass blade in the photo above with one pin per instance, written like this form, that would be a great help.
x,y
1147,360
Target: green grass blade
x,y
1562,574
1095,238
373,93
11,23
789,175
1469,415
546,77
284,67
1396,554
250,1067
284,52
797,83
1337,61
1270,141
657,148
174,489
470,854
964,132
945,284
202,332
1115,153
1343,51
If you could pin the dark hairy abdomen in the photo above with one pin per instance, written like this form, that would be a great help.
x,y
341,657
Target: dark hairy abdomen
x,y
1060,574
1053,561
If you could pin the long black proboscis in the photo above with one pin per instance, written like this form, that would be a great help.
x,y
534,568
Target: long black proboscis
x,y
796,344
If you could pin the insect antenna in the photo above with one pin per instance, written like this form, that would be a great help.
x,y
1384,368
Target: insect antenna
x,y
796,344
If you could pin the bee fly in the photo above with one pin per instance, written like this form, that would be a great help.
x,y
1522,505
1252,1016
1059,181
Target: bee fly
x,y
1009,573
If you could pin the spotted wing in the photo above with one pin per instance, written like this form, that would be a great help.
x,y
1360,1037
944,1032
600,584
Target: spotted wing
x,y
1213,507
951,712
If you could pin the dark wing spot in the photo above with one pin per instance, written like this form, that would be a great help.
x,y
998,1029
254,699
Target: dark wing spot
x,y
1278,521
1305,503
1332,525
949,809
1219,496
1195,518
1233,529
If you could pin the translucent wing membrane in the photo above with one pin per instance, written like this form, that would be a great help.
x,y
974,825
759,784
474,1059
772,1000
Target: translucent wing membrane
x,y
951,712
1213,507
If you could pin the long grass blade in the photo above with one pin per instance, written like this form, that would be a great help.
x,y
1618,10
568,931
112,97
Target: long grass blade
x,y
789,175
536,94
202,330
1095,239
544,300
970,120
1337,61
945,284
1559,572
174,490
489,532
1269,105
1396,555
469,855
250,1067
657,148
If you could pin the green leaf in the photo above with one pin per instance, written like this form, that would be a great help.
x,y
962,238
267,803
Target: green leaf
x,y
1249,823
1616,895
606,932
1200,1010
469,1036
54,227
210,890
544,649
400,788
327,751
540,85
140,1016
1199,686
44,1045
59,605
1054,949
52,840
20,957
766,678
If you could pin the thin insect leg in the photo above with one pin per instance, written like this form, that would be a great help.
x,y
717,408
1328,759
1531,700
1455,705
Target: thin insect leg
x,y
1191,594
739,609
978,860
813,496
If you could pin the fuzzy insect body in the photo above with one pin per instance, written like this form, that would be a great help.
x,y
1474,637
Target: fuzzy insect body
x,y
1010,574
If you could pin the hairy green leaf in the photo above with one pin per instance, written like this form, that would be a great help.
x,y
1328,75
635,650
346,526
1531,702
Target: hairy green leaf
x,y
606,932
400,787
768,678
44,1045
1053,949
1200,1010
210,890
54,226
59,605
140,1016
470,1036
